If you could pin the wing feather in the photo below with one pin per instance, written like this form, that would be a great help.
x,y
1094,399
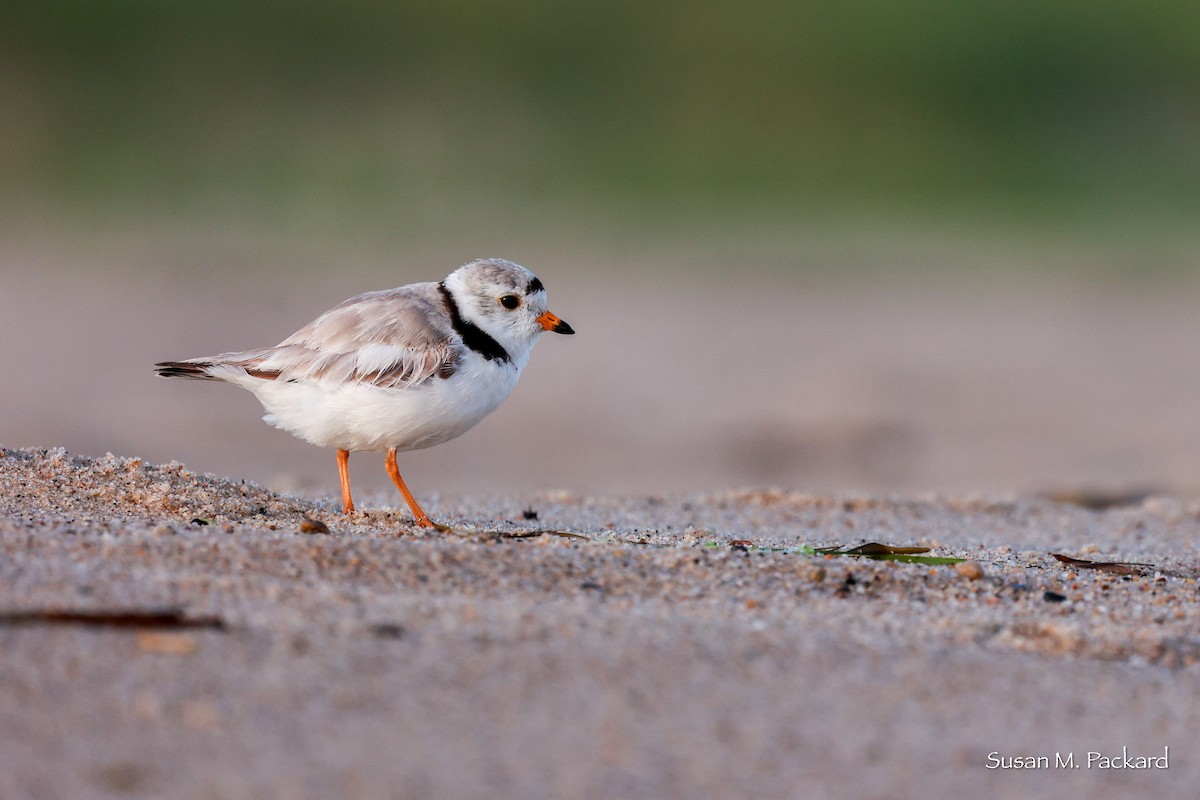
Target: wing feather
x,y
394,338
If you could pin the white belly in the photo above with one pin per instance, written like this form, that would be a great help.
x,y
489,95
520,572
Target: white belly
x,y
364,417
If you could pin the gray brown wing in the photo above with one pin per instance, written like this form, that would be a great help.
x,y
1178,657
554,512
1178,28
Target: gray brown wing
x,y
393,338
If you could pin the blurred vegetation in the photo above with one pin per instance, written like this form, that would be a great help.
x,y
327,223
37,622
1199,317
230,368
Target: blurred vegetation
x,y
388,118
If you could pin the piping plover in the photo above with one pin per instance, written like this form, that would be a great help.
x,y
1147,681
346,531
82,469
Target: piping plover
x,y
398,369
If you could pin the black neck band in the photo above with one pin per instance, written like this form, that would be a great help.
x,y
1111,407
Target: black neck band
x,y
472,335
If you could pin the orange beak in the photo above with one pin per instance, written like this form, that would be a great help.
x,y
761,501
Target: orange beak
x,y
552,323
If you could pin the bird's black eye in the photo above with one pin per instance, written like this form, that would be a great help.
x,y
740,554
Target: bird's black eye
x,y
510,301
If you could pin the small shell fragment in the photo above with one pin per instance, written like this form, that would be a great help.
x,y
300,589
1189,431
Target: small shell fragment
x,y
310,525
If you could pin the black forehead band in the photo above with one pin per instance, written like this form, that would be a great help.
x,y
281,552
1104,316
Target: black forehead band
x,y
535,285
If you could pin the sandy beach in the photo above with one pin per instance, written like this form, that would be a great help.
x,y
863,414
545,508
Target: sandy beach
x,y
170,634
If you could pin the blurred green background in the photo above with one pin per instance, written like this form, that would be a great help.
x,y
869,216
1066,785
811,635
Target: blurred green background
x,y
793,135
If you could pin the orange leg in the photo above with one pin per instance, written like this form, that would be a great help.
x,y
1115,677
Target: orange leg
x,y
344,471
421,518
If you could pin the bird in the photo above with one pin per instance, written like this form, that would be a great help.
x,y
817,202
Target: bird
x,y
397,369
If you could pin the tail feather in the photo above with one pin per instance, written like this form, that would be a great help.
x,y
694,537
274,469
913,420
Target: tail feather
x,y
194,370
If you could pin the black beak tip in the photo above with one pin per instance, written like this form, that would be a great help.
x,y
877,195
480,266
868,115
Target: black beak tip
x,y
563,327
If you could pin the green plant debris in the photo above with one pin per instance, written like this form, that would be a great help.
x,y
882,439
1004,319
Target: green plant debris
x,y
885,552
872,550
